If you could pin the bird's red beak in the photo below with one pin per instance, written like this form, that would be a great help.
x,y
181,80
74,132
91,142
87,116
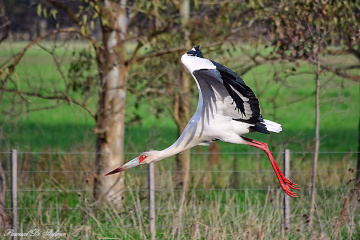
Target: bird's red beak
x,y
133,163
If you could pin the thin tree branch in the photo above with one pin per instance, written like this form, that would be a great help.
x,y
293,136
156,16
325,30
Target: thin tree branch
x,y
150,37
350,50
13,114
54,97
161,53
11,68
342,74
58,66
54,32
355,52
184,48
147,91
66,9
335,71
135,53
352,67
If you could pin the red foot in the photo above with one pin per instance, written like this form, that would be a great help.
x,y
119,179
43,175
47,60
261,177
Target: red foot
x,y
285,183
290,184
287,190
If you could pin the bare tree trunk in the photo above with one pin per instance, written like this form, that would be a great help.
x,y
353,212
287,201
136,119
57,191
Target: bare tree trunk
x,y
181,116
183,106
4,218
356,195
317,144
358,155
111,113
4,23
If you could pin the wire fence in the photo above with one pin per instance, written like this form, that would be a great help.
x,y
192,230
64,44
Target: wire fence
x,y
71,173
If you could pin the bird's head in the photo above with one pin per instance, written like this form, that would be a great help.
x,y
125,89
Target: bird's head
x,y
195,52
143,158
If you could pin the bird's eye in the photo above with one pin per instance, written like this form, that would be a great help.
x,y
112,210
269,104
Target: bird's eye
x,y
195,54
142,158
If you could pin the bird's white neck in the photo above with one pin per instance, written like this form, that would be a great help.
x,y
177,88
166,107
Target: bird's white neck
x,y
180,145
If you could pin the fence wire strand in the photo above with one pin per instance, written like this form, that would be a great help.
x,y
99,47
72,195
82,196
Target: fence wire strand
x,y
160,190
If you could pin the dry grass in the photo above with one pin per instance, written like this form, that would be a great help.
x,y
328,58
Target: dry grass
x,y
57,194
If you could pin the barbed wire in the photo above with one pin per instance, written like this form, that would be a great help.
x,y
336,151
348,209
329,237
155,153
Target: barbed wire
x,y
173,190
163,190
192,153
191,171
145,208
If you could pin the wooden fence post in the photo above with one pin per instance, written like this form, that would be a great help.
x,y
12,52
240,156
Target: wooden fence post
x,y
13,166
286,197
151,197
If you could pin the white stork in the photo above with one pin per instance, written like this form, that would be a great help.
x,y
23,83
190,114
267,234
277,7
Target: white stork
x,y
227,109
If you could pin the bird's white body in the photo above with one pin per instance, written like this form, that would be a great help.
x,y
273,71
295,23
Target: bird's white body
x,y
227,109
217,124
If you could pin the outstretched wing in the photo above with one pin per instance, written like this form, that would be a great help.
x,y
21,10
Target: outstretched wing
x,y
243,97
237,99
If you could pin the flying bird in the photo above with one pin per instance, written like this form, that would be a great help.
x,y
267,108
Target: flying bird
x,y
227,110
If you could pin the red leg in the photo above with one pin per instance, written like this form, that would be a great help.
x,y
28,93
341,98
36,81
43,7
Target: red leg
x,y
285,183
266,149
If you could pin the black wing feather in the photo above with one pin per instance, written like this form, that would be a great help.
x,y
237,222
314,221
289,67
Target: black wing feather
x,y
232,81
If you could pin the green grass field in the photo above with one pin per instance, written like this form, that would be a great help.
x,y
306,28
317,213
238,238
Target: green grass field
x,y
57,187
290,102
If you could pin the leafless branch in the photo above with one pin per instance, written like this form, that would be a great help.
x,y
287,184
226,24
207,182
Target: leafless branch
x,y
65,98
342,74
336,71
11,68
161,53
14,114
352,67
184,48
58,66
54,32
147,91
135,53
350,50
355,52
134,57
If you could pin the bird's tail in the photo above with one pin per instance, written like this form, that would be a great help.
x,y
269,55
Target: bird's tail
x,y
272,126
